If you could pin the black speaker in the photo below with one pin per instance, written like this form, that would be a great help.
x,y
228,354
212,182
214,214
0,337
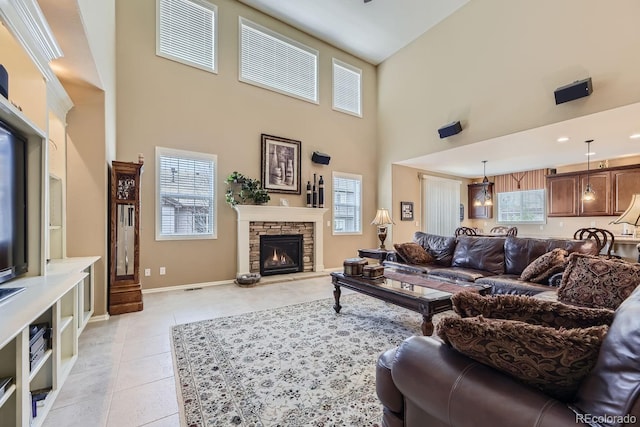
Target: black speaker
x,y
4,82
321,158
450,129
575,90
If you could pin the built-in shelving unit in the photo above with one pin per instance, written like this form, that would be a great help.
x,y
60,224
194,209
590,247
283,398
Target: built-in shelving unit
x,y
62,299
59,291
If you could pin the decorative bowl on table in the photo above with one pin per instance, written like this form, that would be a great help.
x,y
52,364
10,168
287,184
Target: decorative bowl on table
x,y
247,279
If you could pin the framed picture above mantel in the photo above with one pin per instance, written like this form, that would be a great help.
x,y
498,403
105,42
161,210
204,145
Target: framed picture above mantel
x,y
280,166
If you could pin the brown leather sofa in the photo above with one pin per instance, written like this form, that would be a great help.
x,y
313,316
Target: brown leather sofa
x,y
426,383
495,261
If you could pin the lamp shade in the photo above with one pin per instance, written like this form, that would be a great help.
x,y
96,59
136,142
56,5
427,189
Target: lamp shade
x,y
632,214
382,218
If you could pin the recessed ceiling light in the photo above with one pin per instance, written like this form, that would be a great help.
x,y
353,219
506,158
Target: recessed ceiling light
x,y
563,139
635,136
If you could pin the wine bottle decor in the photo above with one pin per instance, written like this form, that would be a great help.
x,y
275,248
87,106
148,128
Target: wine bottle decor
x,y
309,194
314,195
321,192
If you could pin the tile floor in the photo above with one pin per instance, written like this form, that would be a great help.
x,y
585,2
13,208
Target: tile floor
x,y
124,373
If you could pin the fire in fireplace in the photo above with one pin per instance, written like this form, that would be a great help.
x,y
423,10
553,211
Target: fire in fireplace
x,y
280,254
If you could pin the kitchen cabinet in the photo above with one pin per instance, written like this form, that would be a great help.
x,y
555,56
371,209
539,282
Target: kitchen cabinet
x,y
562,195
613,188
477,209
601,186
624,184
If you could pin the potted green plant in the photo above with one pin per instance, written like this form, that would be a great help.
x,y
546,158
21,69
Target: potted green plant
x,y
243,190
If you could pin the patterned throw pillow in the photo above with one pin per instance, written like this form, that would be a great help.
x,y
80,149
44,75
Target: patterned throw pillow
x,y
413,253
592,281
530,310
554,361
545,266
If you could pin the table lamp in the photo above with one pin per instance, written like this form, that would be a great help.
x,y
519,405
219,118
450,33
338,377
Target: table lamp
x,y
631,215
382,220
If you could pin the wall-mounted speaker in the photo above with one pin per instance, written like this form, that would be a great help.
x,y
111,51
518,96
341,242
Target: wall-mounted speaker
x,y
320,158
575,90
450,129
4,82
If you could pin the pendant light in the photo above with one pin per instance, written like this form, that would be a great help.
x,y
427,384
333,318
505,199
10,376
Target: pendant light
x,y
588,194
486,196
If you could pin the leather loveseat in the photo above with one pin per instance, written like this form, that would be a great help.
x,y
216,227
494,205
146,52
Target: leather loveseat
x,y
425,383
495,261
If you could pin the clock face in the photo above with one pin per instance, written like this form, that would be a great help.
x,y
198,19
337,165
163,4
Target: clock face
x,y
126,187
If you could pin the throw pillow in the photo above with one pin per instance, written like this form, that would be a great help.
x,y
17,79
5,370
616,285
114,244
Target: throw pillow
x,y
545,266
554,361
413,253
530,310
592,281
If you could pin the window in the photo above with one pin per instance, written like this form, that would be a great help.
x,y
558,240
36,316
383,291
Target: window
x,y
347,203
185,189
347,88
440,205
522,207
273,61
187,33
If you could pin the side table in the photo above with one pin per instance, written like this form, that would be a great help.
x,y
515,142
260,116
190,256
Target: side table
x,y
379,254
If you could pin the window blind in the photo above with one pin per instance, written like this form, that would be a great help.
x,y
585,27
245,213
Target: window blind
x,y
441,205
347,203
186,195
347,88
187,32
273,61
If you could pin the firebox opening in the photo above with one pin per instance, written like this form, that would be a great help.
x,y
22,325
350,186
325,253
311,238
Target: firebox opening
x,y
280,254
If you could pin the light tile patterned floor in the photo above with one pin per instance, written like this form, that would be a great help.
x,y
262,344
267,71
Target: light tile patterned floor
x,y
124,373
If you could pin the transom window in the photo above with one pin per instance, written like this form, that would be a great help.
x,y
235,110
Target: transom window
x,y
273,61
347,88
187,32
185,195
347,203
522,207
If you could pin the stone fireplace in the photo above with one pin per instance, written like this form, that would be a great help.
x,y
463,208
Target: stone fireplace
x,y
256,221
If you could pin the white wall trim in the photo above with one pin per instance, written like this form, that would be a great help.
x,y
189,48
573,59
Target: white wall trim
x,y
58,101
27,23
100,318
186,287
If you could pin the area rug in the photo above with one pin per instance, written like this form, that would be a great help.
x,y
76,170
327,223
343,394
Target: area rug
x,y
300,365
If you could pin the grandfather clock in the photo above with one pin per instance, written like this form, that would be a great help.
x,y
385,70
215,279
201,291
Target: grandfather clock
x,y
125,293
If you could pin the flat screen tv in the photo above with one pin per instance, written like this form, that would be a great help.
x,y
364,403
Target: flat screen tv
x,y
13,203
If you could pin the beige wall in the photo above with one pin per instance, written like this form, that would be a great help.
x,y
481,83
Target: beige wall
x,y
99,20
27,87
494,66
164,103
87,183
409,189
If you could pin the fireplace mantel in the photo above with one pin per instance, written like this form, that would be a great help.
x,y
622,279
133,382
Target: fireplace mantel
x,y
251,213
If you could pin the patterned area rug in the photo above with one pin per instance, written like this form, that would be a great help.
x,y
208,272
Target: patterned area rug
x,y
300,365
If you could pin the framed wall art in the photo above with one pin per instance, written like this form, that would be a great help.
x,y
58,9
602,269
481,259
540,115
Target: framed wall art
x,y
280,164
406,211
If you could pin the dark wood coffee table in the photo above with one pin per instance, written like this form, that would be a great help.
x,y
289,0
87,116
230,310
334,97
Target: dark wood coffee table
x,y
416,292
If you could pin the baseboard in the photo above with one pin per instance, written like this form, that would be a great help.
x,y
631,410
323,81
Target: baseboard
x,y
186,287
100,318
